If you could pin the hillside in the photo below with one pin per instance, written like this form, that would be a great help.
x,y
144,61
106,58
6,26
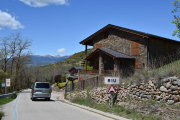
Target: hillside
x,y
76,59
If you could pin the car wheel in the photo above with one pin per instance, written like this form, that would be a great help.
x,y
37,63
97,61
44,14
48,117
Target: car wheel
x,y
48,99
33,99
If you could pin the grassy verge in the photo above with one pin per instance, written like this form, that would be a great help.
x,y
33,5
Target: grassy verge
x,y
117,109
5,101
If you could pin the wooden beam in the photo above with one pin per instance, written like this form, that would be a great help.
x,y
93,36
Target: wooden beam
x,y
86,57
130,32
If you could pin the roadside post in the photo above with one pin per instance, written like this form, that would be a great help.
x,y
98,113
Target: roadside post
x,y
66,87
111,81
80,79
7,84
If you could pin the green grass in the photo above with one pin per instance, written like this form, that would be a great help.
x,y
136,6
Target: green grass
x,y
1,115
7,100
117,109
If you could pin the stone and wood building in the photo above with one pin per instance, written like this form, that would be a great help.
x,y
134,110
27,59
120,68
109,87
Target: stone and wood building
x,y
116,48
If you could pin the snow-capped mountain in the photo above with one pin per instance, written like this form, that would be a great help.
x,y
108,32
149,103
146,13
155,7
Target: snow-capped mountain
x,y
47,59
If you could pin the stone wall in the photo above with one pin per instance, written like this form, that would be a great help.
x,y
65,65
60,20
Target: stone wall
x,y
168,92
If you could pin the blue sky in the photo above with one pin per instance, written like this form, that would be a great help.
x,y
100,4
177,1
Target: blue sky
x,y
57,26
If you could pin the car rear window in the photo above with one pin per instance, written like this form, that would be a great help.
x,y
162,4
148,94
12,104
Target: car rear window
x,y
42,85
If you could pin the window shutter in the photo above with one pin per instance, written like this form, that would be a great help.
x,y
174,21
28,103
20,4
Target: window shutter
x,y
135,48
137,65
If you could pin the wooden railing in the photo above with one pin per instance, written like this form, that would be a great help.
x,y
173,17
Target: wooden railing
x,y
107,71
96,71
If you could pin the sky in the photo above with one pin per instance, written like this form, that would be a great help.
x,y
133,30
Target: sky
x,y
57,26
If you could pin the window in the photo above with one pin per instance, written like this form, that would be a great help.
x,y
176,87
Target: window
x,y
42,85
98,46
105,34
135,48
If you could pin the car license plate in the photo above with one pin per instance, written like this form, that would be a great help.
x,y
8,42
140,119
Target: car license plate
x,y
38,91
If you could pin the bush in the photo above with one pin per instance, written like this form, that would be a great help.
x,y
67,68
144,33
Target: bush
x,y
57,78
65,95
1,114
89,67
63,78
61,85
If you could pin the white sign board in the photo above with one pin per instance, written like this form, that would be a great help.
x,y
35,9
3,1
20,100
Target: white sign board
x,y
112,80
7,82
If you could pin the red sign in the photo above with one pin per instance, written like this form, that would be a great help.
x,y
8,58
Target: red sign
x,y
80,78
112,90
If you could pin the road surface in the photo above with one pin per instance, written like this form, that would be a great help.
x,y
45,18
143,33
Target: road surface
x,y
22,108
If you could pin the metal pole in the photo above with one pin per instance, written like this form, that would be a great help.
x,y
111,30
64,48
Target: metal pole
x,y
111,100
66,88
5,87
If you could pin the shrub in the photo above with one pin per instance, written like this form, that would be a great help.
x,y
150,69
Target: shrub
x,y
63,78
65,95
1,114
89,67
57,78
61,85
128,111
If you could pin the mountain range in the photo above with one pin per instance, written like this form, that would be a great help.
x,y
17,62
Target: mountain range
x,y
39,60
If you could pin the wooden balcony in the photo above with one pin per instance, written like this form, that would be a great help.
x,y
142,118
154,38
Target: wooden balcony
x,y
96,71
107,71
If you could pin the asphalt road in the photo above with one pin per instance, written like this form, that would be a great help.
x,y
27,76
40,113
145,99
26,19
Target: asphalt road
x,y
22,108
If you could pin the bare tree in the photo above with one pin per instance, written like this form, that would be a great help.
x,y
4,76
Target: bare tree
x,y
14,55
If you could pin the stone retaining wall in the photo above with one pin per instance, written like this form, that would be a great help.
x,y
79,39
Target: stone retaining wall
x,y
168,92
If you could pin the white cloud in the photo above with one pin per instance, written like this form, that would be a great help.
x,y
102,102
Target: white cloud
x,y
6,20
42,3
61,50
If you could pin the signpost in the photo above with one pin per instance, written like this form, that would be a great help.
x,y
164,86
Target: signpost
x,y
112,90
7,84
112,80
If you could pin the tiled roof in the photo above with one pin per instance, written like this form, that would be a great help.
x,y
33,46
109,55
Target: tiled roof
x,y
72,78
147,35
78,68
116,54
109,52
